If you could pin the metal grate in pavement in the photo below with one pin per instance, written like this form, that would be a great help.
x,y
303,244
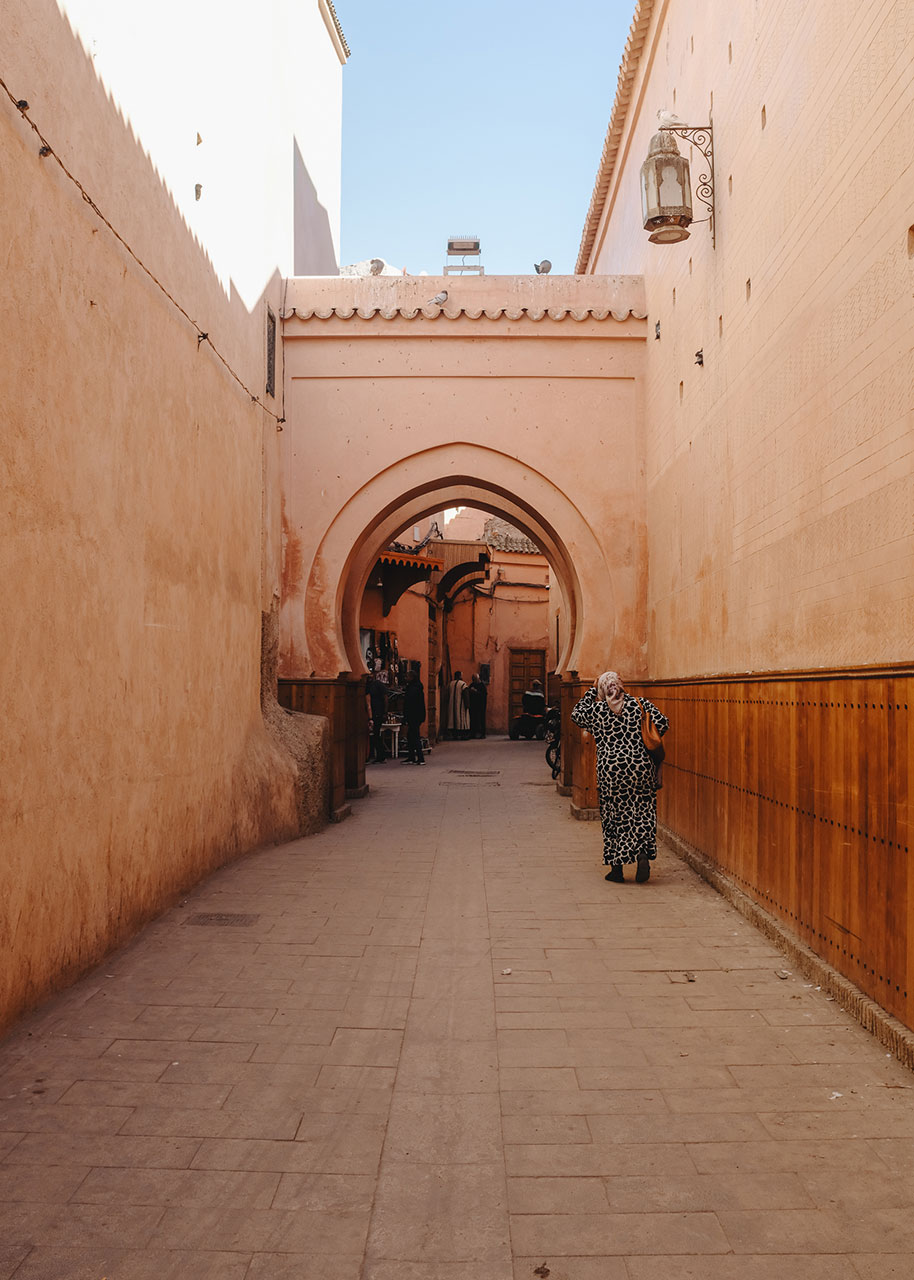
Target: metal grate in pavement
x,y
476,773
222,919
468,782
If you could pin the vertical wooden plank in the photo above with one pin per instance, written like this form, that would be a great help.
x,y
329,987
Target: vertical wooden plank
x,y
356,737
570,735
584,798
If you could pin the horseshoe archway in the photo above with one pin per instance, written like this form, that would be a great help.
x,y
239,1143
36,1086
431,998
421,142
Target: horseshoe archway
x,y
522,398
447,476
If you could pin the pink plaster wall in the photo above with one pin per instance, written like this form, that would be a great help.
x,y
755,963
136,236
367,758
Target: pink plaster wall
x,y
511,611
408,619
503,390
133,565
780,474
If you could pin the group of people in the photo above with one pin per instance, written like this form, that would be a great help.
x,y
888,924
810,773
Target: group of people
x,y
464,713
413,717
465,707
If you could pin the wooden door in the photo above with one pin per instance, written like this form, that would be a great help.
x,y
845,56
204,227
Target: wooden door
x,y
524,666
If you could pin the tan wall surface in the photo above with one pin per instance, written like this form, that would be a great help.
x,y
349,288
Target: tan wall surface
x,y
780,482
521,390
780,474
508,612
136,756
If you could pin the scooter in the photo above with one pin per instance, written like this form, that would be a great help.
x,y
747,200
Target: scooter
x,y
528,726
553,723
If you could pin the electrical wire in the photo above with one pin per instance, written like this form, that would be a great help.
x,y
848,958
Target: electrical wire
x,y
46,150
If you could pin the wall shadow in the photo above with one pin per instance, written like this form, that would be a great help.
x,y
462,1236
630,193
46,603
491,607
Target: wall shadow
x,y
313,253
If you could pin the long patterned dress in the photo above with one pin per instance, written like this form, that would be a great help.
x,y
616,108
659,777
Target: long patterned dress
x,y
626,780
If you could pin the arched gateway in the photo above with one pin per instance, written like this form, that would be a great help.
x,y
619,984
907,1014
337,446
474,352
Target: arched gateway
x,y
521,395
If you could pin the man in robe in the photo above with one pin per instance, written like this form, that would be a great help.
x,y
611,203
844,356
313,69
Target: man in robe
x,y
458,717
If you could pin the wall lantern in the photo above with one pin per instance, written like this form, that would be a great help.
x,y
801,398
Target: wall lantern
x,y
666,184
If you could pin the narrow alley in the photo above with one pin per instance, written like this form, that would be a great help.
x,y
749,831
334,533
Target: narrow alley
x,y
432,1042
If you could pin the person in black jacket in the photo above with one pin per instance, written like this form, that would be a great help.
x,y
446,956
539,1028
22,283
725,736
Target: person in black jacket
x,y
477,695
376,697
414,715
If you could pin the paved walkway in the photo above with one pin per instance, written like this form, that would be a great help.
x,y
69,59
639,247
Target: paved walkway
x,y
432,1043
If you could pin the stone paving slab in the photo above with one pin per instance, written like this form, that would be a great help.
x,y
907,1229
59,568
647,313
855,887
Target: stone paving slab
x,y
433,1042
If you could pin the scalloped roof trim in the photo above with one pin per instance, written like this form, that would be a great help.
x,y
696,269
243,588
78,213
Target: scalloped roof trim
x,y
436,313
631,60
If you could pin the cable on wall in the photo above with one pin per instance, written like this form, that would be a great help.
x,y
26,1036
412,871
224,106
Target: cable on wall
x,y
45,151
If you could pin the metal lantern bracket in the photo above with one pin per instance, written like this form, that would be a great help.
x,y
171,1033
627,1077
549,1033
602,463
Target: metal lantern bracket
x,y
701,137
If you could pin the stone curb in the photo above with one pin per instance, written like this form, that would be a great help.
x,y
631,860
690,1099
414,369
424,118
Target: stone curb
x,y
887,1029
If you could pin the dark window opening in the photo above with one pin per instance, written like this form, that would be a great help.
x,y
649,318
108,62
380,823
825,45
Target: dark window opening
x,y
271,352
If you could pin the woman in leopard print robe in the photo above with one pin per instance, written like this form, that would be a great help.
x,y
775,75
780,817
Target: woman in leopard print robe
x,y
626,778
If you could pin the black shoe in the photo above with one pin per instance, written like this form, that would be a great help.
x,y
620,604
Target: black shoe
x,y
616,875
644,870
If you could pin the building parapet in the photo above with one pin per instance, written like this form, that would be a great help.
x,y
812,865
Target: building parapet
x,y
491,297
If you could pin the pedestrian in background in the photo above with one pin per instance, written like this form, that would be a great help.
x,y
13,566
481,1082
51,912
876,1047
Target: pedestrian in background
x,y
414,715
477,695
376,699
458,717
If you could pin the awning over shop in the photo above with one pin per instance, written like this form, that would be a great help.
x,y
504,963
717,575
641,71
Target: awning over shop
x,y
398,570
404,558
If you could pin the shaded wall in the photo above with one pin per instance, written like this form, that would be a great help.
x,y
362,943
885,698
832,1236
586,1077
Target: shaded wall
x,y
134,569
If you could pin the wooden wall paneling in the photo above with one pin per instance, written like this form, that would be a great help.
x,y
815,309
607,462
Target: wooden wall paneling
x,y
765,724
800,786
356,736
904,781
806,740
777,764
324,698
898,833
867,892
570,737
789,797
585,801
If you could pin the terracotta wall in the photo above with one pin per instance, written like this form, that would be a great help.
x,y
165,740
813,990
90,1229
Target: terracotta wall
x,y
780,473
133,568
396,408
408,619
486,624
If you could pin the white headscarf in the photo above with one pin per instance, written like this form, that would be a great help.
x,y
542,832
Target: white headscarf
x,y
610,690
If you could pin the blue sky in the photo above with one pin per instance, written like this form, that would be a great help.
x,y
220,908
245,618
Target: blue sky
x,y
486,116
